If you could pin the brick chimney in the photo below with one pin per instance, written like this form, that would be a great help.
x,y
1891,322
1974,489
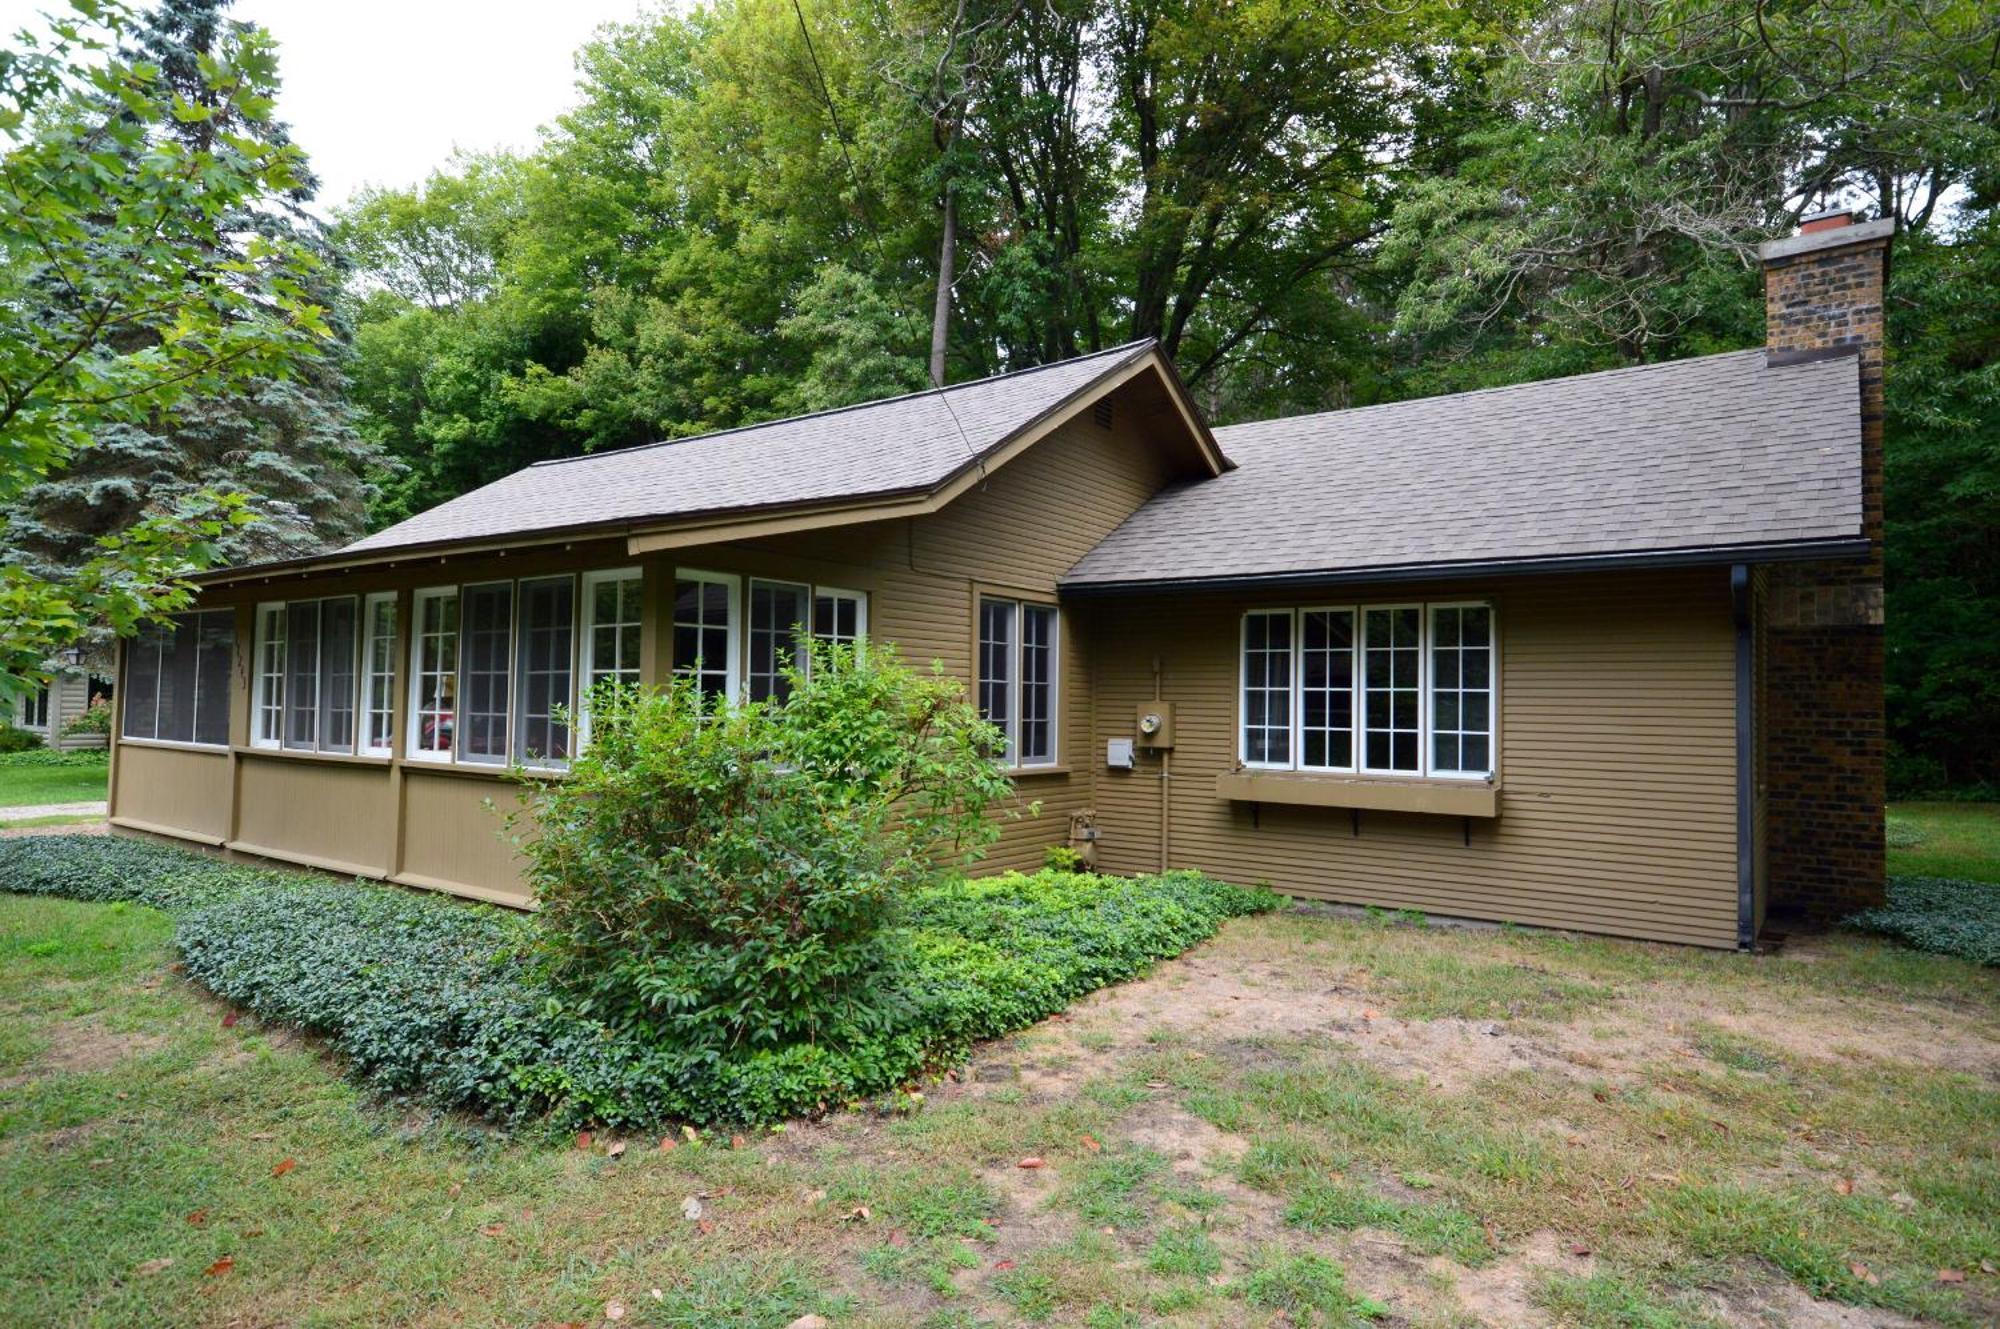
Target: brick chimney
x,y
1820,639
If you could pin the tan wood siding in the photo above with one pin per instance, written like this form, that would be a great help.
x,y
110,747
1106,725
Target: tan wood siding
x,y
172,790
1616,765
335,815
453,840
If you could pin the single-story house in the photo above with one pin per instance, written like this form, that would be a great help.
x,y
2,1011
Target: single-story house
x,y
1601,653
48,710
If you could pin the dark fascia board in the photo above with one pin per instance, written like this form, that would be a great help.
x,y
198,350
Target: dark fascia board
x,y
1782,552
1217,462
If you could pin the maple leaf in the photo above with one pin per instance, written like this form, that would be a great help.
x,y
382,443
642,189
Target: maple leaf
x,y
284,1167
220,1267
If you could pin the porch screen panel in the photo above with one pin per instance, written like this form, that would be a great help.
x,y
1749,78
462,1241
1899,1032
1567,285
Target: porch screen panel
x,y
548,617
488,631
1393,664
777,614
1267,687
215,654
142,682
1326,689
338,626
180,651
302,674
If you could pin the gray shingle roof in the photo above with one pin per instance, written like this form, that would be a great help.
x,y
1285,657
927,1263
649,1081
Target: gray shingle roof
x,y
877,449
1687,455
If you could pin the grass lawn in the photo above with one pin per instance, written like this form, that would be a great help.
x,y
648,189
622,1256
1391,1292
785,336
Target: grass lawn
x,y
1308,1120
29,786
1945,840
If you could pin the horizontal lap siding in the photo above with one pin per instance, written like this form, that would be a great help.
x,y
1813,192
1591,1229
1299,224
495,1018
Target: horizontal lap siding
x,y
1617,743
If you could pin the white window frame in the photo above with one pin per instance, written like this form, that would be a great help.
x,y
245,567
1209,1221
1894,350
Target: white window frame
x,y
1243,692
517,716
1354,725
1426,767
413,707
1492,691
733,625
587,646
801,655
266,681
1011,759
1423,731
506,674
860,600
364,704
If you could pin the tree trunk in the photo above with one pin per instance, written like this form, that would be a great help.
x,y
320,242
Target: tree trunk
x,y
941,313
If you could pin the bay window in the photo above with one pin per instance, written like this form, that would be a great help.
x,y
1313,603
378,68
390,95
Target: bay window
x,y
1401,690
177,679
1018,658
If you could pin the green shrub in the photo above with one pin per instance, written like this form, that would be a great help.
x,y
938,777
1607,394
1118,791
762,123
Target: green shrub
x,y
1940,914
720,877
92,719
446,1001
38,757
18,740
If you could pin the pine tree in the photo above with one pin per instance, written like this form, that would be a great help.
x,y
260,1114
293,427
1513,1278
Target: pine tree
x,y
289,445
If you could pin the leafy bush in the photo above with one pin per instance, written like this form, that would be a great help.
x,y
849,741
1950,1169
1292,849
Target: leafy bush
x,y
18,740
92,719
38,757
720,877
1940,914
444,1001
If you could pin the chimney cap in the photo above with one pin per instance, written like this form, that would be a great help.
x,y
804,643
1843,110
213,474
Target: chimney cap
x,y
1806,242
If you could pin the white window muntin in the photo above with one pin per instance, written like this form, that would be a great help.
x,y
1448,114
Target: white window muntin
x,y
730,669
378,675
1414,686
773,645
1426,766
1256,691
832,633
1490,691
1000,671
267,711
610,647
1302,649
433,657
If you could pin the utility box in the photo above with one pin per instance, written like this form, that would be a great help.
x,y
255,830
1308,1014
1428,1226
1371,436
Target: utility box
x,y
1118,754
1154,721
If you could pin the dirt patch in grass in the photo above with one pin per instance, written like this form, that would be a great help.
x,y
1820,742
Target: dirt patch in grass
x,y
85,1047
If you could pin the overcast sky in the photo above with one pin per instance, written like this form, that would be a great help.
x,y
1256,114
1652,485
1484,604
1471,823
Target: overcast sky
x,y
381,91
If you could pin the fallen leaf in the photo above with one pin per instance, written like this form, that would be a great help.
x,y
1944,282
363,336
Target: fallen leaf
x,y
229,1019
735,1142
689,1134
1845,1186
454,1189
690,1208
583,1139
286,1166
1600,1095
815,1197
1864,1273
1371,1015
1988,1267
860,1213
614,1309
220,1267
253,1233
198,1217
1090,1143
1003,1264
616,1149
705,1226
808,1322
1030,1163
263,1135
898,1237
1951,1275
657,1295
1578,1249
493,1230
151,1267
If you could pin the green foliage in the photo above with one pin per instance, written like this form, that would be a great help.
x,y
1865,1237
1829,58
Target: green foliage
x,y
13,740
1062,858
39,756
1940,914
92,719
124,290
1307,1288
716,877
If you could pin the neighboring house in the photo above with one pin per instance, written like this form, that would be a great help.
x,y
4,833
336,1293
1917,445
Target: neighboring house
x,y
1600,653
47,710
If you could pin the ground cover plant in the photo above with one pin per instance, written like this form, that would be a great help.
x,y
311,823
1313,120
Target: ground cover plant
x,y
1365,1121
1959,839
1958,917
42,775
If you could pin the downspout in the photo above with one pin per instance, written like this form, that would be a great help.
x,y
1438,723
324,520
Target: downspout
x,y
1166,782
1746,767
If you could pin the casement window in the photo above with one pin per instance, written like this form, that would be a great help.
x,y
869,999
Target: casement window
x,y
177,679
1402,690
306,654
1018,662
433,674
378,675
777,616
611,633
545,653
705,632
34,712
485,671
840,618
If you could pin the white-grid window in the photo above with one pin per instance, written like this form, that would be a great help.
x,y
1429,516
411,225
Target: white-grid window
x,y
1326,689
302,675
1267,688
433,674
1381,689
486,659
1392,689
178,679
778,613
1461,689
268,727
1019,659
840,618
705,636
545,653
378,675
611,633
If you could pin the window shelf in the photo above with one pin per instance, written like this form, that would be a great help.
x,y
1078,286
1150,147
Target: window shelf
x,y
1452,798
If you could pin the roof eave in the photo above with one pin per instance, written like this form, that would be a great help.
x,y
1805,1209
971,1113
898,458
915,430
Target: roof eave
x,y
1787,551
